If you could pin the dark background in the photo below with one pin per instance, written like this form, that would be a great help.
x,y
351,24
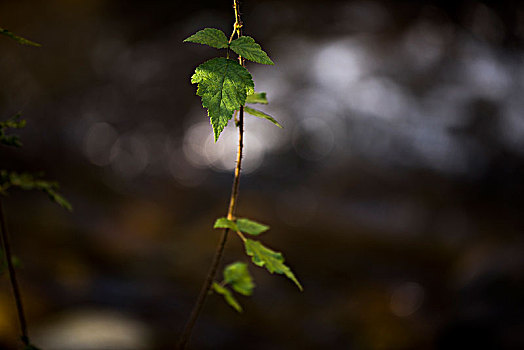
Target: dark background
x,y
395,189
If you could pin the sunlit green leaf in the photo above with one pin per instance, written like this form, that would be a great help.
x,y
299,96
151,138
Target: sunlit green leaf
x,y
260,114
246,47
251,227
228,296
225,223
237,275
211,37
223,85
257,97
271,260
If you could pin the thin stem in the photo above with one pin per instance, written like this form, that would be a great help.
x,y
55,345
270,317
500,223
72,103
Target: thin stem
x,y
206,287
233,199
234,190
12,276
204,291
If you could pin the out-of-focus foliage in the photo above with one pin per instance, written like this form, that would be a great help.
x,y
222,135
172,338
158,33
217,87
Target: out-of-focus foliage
x,y
238,277
17,38
228,296
257,97
25,180
28,181
13,123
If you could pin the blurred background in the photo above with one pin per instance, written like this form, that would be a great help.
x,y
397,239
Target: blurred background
x,y
395,189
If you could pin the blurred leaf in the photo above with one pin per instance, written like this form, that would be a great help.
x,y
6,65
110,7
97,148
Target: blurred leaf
x,y
257,97
228,296
18,39
12,123
261,114
246,47
251,227
271,260
211,37
237,275
223,85
27,181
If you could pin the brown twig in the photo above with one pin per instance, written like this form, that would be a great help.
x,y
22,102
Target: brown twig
x,y
206,287
12,276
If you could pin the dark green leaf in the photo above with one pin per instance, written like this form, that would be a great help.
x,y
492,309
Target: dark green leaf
x,y
18,39
246,47
211,37
237,275
27,181
228,296
260,114
225,223
257,97
223,85
251,227
12,123
271,260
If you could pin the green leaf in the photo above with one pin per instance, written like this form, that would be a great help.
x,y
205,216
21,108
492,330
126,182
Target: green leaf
x,y
14,122
271,260
228,296
251,227
27,181
223,85
257,97
246,47
237,275
211,37
18,39
225,223
260,114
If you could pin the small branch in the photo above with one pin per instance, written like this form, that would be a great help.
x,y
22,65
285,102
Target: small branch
x,y
233,199
234,190
206,287
12,276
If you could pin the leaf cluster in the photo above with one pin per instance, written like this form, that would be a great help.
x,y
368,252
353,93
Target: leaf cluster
x,y
238,277
244,46
261,256
225,85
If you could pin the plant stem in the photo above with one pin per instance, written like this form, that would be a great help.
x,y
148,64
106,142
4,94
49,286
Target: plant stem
x,y
12,276
206,287
233,199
